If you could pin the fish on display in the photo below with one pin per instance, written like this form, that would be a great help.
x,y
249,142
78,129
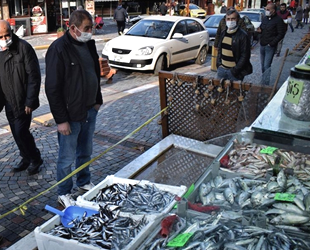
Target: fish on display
x,y
138,199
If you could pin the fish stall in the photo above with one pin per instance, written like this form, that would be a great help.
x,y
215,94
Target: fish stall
x,y
253,192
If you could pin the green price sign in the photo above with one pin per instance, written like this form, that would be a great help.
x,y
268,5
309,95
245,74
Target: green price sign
x,y
180,240
284,197
294,90
268,150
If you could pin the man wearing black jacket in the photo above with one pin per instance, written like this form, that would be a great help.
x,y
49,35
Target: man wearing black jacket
x,y
234,51
272,31
20,81
73,90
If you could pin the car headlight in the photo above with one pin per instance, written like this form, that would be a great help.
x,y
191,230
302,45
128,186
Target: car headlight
x,y
145,51
106,47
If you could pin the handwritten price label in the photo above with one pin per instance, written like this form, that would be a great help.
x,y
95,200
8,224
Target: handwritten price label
x,y
294,90
284,197
180,240
268,150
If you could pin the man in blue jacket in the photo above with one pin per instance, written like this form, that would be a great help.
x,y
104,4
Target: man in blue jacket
x,y
72,87
20,81
272,31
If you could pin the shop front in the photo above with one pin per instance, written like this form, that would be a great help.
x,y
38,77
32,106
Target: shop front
x,y
29,17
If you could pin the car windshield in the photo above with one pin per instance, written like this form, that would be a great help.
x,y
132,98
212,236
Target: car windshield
x,y
151,28
193,7
213,21
254,17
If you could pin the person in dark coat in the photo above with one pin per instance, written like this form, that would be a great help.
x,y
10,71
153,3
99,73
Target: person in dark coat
x,y
223,8
234,51
272,31
20,81
72,86
298,17
163,9
120,15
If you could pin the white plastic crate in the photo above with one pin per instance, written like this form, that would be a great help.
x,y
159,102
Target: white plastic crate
x,y
85,200
46,241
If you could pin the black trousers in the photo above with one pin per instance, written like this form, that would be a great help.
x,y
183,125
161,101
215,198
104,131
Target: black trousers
x,y
22,136
120,26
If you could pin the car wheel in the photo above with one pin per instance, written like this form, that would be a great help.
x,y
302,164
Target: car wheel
x,y
202,56
161,64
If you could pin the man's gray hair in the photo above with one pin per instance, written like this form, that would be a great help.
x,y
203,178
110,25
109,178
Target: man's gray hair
x,y
77,17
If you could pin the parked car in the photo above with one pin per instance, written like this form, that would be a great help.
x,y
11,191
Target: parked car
x,y
213,21
156,42
194,10
256,18
262,10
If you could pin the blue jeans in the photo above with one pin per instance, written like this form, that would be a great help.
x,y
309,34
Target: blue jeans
x,y
266,57
78,147
226,74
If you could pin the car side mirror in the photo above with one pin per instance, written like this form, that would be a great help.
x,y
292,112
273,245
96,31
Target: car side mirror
x,y
177,36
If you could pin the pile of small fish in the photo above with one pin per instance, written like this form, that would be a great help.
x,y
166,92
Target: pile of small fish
x,y
248,159
219,232
136,199
106,230
235,192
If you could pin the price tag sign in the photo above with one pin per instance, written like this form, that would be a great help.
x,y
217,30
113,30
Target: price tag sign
x,y
180,240
294,90
284,197
268,150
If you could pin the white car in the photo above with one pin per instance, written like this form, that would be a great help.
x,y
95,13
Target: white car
x,y
256,18
156,42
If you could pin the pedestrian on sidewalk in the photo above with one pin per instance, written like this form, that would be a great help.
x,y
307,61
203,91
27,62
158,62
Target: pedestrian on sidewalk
x,y
163,9
298,17
234,52
72,87
222,26
272,31
20,81
120,15
306,14
287,19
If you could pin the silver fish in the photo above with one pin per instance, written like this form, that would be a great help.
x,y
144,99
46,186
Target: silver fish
x,y
307,202
257,198
290,219
218,181
289,207
243,197
229,195
281,179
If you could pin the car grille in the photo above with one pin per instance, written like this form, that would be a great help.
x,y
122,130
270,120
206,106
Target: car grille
x,y
121,51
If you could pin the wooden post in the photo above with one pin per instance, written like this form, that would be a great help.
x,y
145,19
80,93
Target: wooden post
x,y
213,59
187,8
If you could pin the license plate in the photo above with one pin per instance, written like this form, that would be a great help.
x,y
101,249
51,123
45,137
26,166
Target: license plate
x,y
118,58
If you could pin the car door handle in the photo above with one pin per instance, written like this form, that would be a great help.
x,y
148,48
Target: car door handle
x,y
186,40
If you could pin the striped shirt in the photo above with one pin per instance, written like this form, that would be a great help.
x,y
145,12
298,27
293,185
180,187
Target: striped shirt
x,y
228,60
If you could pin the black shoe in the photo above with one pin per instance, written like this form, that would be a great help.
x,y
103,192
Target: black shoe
x,y
23,165
35,167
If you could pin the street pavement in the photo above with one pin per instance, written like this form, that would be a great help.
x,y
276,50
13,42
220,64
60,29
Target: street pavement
x,y
123,111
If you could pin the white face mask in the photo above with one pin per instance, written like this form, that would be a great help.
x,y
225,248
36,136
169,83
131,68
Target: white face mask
x,y
231,24
5,43
267,13
84,37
